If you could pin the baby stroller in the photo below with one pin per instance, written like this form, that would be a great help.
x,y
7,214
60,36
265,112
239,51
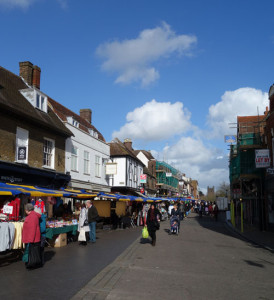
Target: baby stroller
x,y
174,224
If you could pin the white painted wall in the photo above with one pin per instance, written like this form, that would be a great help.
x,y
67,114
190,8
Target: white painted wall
x,y
143,158
85,142
122,178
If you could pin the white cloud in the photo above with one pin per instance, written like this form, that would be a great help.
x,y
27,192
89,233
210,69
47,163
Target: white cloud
x,y
155,121
241,102
133,59
16,3
198,161
24,4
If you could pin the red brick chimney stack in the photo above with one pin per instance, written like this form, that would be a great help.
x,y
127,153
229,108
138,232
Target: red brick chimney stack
x,y
36,77
86,114
26,68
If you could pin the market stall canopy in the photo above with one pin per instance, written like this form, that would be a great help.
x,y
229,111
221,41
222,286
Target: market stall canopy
x,y
14,189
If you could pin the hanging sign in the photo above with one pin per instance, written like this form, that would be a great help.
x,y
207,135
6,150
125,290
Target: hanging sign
x,y
22,153
143,178
7,209
262,158
111,168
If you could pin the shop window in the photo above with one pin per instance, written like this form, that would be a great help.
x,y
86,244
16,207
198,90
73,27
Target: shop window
x,y
22,141
74,158
86,163
48,157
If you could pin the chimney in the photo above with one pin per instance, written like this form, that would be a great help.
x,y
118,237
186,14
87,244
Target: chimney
x,y
26,68
86,114
128,144
36,77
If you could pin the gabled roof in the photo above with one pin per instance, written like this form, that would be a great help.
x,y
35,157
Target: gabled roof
x,y
64,112
117,148
12,101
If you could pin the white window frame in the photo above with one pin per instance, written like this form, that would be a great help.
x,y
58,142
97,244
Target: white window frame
x,y
40,101
74,158
22,140
51,154
97,166
86,162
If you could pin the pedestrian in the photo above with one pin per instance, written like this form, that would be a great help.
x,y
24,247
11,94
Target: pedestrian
x,y
175,212
92,218
83,225
31,237
153,222
215,211
210,209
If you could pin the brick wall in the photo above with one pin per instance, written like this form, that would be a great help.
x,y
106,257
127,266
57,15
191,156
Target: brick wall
x,y
37,134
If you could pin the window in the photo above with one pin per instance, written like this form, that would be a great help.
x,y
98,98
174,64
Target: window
x,y
97,166
73,122
74,158
22,140
40,102
48,158
86,162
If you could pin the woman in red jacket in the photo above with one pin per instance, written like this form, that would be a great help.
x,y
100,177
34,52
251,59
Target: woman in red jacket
x,y
31,227
31,237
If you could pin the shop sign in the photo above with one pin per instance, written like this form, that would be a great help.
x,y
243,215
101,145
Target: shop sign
x,y
111,168
7,209
262,158
22,153
230,139
11,179
143,178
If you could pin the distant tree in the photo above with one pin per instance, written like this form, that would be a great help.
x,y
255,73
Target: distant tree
x,y
223,190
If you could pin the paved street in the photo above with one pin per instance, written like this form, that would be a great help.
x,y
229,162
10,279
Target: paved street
x,y
206,261
66,270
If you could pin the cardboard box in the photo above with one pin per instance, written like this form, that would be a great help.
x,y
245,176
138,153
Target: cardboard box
x,y
59,240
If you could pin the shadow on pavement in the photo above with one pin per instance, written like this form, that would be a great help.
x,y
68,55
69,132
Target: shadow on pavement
x,y
49,255
145,241
9,257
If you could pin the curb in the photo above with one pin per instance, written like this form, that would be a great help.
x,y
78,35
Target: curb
x,y
235,230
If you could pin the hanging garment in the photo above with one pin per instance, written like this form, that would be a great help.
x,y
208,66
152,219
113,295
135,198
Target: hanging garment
x,y
6,236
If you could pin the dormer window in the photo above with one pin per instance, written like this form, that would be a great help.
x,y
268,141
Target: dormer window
x,y
36,98
73,122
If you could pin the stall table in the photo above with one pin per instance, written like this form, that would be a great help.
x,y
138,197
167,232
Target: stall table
x,y
50,232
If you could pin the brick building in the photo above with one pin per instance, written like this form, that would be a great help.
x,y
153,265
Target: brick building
x,y
32,138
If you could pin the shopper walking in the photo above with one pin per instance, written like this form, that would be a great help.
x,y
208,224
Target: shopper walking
x,y
153,222
215,211
92,218
83,225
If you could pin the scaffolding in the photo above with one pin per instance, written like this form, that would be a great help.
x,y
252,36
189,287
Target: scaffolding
x,y
162,169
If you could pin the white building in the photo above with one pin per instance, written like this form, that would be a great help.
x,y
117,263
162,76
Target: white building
x,y
127,168
86,151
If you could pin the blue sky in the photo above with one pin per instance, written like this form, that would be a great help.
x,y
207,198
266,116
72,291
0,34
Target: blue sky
x,y
170,75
